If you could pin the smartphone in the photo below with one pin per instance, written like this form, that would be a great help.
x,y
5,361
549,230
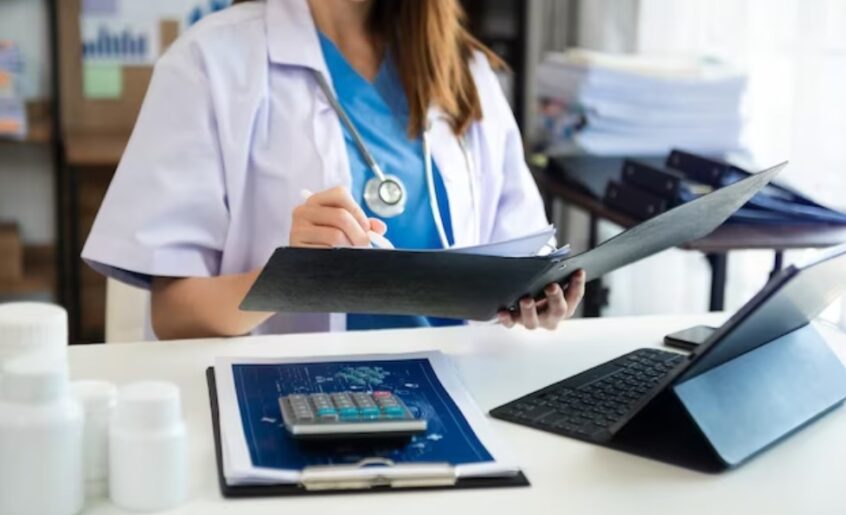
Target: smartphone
x,y
689,339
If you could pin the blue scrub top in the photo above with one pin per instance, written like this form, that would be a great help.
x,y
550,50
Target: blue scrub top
x,y
379,111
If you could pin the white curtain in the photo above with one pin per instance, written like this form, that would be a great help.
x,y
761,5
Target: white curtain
x,y
794,52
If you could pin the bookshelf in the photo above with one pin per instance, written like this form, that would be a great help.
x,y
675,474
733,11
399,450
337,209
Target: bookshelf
x,y
40,271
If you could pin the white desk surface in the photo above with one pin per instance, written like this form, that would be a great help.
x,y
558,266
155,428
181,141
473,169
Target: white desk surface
x,y
806,474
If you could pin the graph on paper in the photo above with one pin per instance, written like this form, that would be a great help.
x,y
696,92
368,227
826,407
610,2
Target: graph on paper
x,y
449,437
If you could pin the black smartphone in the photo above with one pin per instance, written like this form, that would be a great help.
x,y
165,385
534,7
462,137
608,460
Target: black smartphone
x,y
689,339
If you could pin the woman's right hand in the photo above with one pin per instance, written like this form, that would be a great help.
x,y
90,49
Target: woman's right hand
x,y
332,218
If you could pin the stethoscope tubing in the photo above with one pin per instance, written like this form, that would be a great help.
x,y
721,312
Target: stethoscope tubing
x,y
374,167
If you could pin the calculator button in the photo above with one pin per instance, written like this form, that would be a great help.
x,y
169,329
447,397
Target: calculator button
x,y
381,394
394,411
370,412
364,402
348,413
326,411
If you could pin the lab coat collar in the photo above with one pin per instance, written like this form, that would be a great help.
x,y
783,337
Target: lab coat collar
x,y
292,36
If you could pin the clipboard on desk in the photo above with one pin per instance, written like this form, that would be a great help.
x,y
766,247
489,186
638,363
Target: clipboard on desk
x,y
256,457
469,286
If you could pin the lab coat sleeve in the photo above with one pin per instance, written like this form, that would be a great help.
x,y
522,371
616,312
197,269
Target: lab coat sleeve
x,y
165,213
520,208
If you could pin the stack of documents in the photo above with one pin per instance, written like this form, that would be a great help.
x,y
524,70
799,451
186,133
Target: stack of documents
x,y
12,109
633,105
257,449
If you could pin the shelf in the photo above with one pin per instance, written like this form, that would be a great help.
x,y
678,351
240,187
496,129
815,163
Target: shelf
x,y
39,275
94,149
40,124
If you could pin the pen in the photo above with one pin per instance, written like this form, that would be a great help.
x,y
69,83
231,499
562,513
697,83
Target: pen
x,y
376,240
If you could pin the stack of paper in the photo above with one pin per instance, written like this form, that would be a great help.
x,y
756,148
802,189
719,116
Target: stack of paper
x,y
257,449
12,109
632,105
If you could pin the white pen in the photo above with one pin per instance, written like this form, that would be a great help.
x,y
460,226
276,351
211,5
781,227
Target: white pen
x,y
376,240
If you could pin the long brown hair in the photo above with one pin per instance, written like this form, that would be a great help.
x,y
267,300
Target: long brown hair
x,y
432,49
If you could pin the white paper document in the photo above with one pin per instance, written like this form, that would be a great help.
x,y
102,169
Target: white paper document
x,y
538,243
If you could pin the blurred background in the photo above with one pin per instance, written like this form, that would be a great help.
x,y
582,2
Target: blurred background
x,y
590,82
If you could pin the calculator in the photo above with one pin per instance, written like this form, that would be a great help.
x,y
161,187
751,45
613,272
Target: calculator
x,y
340,415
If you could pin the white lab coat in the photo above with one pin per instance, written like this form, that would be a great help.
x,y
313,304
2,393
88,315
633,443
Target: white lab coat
x,y
234,127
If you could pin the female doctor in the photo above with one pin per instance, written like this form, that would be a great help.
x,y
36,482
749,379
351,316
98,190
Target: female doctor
x,y
387,109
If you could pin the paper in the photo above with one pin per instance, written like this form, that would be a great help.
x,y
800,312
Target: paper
x,y
102,81
538,243
258,449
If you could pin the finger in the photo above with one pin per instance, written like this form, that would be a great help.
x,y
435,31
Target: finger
x,y
340,197
378,226
575,292
529,314
505,318
557,306
337,218
321,236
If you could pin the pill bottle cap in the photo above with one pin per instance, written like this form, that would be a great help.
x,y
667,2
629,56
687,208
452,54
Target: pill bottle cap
x,y
148,406
33,379
30,327
94,396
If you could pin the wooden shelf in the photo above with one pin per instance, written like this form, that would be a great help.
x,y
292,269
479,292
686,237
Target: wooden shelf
x,y
40,122
94,149
39,275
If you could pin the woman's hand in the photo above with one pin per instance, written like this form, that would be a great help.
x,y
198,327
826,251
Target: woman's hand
x,y
548,312
332,218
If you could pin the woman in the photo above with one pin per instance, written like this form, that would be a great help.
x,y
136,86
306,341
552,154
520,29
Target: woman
x,y
267,100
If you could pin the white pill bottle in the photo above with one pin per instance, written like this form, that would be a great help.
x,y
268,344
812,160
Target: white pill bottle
x,y
41,467
148,450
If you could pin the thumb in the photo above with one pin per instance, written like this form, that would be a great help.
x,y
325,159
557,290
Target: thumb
x,y
378,226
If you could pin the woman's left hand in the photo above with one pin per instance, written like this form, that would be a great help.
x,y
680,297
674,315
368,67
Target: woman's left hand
x,y
548,312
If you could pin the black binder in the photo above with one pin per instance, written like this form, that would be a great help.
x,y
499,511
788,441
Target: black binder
x,y
466,286
263,490
664,182
632,200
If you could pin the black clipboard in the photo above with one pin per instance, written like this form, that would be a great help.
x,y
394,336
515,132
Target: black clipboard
x,y
467,286
244,491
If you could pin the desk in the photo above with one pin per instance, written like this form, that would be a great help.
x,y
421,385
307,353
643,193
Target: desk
x,y
715,246
803,474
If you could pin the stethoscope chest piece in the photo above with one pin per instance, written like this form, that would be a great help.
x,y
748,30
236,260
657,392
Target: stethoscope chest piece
x,y
385,196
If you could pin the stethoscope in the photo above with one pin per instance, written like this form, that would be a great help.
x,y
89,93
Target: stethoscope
x,y
385,194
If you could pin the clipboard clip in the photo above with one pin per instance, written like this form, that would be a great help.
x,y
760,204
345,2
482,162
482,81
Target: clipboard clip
x,y
377,472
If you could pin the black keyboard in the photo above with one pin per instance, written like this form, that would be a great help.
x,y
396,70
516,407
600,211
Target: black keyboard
x,y
589,405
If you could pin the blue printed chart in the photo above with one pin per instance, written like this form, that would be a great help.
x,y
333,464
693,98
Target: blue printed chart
x,y
449,438
258,450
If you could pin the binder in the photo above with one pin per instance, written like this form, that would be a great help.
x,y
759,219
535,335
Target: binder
x,y
331,480
663,182
467,286
637,202
774,204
